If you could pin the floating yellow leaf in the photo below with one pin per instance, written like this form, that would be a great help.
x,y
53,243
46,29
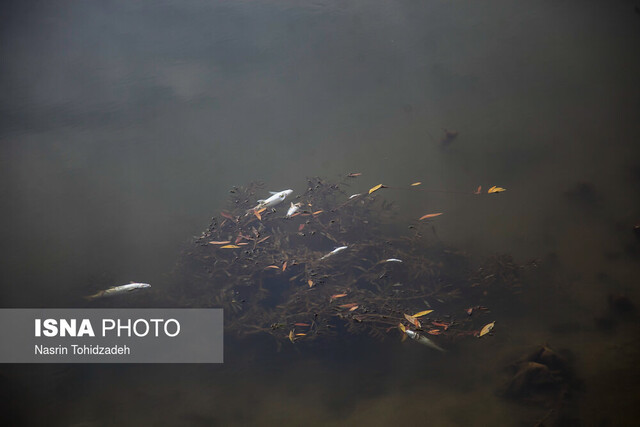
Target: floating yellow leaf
x,y
430,215
229,247
300,335
376,188
402,328
487,328
422,313
415,322
495,189
216,242
291,336
416,184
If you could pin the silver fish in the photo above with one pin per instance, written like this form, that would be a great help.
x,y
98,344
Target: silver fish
x,y
118,290
423,340
293,209
333,252
276,198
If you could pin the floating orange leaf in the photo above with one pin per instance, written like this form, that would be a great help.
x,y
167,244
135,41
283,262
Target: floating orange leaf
x,y
217,242
495,189
310,283
479,190
336,296
416,184
434,332
487,328
349,305
242,244
302,324
415,322
317,212
300,335
229,247
353,308
445,326
257,214
376,188
227,215
272,266
284,266
430,215
422,313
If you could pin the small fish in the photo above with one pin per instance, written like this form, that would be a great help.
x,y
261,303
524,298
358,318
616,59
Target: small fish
x,y
423,340
393,260
333,252
293,209
276,198
118,290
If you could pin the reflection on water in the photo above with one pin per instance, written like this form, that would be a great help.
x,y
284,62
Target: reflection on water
x,y
124,125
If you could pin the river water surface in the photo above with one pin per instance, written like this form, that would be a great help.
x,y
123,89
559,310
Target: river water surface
x,y
124,124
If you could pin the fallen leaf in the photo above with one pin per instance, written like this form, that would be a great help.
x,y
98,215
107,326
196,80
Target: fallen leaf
x,y
430,215
291,336
261,210
376,188
349,305
416,183
415,322
272,266
262,240
402,328
227,215
300,335
445,326
336,296
479,190
486,329
302,324
495,189
434,332
353,308
422,313
310,283
284,266
354,174
229,247
242,244
216,242
257,214
317,212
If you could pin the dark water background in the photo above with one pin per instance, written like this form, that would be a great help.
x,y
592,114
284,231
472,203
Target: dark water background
x,y
124,124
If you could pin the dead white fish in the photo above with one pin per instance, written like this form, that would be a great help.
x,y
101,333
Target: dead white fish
x,y
423,340
392,260
353,196
276,198
333,252
293,209
118,290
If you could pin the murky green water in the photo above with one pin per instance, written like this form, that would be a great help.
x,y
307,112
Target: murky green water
x,y
123,125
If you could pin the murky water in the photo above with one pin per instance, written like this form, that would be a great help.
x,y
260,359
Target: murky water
x,y
124,125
